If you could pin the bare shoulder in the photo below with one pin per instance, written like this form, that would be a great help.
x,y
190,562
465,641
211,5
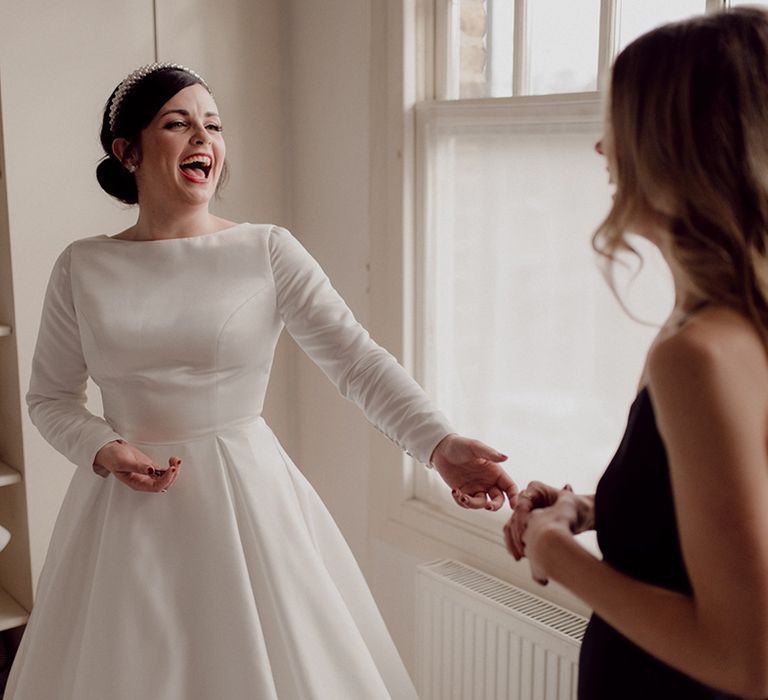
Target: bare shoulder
x,y
718,348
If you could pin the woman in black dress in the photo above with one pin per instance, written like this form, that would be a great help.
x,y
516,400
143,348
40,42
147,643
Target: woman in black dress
x,y
680,598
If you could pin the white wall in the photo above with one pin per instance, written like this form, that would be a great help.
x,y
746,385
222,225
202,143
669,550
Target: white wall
x,y
328,48
339,149
54,85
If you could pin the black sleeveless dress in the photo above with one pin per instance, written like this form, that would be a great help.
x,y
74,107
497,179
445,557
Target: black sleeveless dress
x,y
637,533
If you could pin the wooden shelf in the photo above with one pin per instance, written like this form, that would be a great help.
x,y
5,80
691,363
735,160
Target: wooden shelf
x,y
4,330
11,613
8,475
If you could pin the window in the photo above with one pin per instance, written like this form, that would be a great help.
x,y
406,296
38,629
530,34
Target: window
x,y
504,48
518,337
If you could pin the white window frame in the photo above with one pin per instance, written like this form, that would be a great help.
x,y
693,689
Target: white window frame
x,y
410,87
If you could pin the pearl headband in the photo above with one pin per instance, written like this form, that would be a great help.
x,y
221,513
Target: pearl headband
x,y
136,77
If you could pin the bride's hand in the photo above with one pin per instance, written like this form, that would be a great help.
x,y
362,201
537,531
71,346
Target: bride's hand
x,y
472,470
136,470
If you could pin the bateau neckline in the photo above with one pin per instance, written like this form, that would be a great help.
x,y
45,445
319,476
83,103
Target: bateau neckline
x,y
202,236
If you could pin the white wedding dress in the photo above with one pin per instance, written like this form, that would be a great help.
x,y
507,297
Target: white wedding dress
x,y
236,584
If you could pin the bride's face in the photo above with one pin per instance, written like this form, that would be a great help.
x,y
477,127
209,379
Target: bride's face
x,y
182,150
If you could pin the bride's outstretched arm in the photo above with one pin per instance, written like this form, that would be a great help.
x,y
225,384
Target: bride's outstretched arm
x,y
364,372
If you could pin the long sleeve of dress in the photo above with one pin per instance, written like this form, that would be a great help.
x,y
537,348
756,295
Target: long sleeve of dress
x,y
325,328
56,397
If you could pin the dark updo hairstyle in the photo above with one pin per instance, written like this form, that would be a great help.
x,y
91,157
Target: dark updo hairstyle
x,y
139,106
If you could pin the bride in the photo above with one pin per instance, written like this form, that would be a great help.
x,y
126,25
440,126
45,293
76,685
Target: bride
x,y
191,559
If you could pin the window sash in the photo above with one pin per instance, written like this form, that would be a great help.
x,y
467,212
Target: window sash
x,y
416,55
577,111
447,58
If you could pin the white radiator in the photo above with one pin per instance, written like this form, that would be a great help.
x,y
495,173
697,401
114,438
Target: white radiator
x,y
479,638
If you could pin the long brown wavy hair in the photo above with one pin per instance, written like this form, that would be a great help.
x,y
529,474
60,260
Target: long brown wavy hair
x,y
688,129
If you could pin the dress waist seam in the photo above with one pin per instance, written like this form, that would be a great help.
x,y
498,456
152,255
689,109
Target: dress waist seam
x,y
194,436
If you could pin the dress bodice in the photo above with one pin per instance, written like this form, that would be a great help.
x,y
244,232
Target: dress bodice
x,y
639,543
637,531
199,321
179,335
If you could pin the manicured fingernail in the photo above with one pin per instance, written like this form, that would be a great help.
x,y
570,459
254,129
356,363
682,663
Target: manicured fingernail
x,y
173,470
151,471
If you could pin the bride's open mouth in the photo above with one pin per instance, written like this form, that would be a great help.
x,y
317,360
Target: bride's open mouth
x,y
197,167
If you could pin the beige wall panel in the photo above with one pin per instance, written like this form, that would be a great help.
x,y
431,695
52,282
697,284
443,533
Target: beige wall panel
x,y
328,113
59,62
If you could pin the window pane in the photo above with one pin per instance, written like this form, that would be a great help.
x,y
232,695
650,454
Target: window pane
x,y
638,16
473,55
500,44
563,43
562,39
525,347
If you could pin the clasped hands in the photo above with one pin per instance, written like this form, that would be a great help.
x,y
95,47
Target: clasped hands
x,y
541,512
542,515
